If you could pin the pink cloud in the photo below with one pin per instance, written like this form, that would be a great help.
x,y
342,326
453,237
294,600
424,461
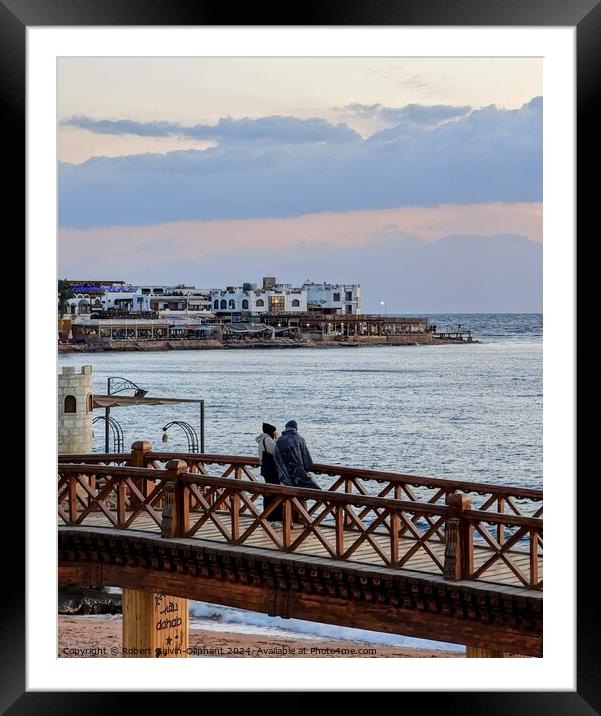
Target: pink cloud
x,y
120,251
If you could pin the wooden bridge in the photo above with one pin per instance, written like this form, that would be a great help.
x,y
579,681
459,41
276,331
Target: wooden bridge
x,y
453,561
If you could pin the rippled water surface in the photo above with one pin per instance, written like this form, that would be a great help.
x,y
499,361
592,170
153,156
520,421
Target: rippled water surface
x,y
470,412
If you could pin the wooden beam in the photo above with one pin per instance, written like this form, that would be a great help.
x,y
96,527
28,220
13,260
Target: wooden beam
x,y
322,608
154,625
473,652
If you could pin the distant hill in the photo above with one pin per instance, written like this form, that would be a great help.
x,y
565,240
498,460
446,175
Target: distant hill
x,y
488,274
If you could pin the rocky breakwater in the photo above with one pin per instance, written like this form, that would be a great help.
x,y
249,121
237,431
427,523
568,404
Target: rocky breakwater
x,y
79,600
101,347
413,339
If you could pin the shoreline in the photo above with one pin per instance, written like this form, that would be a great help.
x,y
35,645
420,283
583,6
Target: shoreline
x,y
250,344
99,636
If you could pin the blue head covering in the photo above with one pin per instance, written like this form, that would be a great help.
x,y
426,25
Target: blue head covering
x,y
291,425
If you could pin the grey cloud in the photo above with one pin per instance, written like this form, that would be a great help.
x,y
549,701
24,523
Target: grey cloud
x,y
488,155
291,130
397,75
417,113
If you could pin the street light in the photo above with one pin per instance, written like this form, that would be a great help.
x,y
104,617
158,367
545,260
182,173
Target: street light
x,y
382,303
189,431
116,384
124,384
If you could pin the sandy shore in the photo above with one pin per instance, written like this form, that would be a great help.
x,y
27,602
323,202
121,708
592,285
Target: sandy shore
x,y
99,636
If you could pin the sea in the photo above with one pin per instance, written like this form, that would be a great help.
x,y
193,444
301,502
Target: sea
x,y
467,412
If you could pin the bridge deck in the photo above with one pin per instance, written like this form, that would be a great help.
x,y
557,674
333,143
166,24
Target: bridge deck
x,y
499,573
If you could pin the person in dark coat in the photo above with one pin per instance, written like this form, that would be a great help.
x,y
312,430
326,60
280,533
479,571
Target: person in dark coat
x,y
293,459
266,448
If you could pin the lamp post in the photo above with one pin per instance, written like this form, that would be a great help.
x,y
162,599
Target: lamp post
x,y
383,303
118,387
189,431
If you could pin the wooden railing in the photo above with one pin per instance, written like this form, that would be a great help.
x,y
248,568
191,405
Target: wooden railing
x,y
181,500
504,500
121,494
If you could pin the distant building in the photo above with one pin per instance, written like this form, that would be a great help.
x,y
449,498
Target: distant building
x,y
277,299
272,297
88,294
93,287
160,299
333,297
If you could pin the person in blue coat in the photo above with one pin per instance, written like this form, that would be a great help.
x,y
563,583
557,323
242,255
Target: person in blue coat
x,y
293,459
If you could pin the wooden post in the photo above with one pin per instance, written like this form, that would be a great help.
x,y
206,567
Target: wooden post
x,y
286,523
395,527
533,558
458,556
348,522
235,507
137,458
339,513
154,625
176,511
138,453
72,499
501,527
121,492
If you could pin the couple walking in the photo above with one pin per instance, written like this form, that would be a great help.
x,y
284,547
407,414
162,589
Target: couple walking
x,y
285,460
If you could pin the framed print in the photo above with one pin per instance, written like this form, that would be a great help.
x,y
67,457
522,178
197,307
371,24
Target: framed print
x,y
298,353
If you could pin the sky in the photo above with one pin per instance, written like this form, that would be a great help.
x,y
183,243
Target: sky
x,y
419,178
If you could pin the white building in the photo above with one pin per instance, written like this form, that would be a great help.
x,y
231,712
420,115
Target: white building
x,y
126,298
163,299
88,295
276,297
333,297
271,297
82,304
280,299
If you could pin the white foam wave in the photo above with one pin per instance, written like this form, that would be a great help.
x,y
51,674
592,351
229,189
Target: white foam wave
x,y
214,617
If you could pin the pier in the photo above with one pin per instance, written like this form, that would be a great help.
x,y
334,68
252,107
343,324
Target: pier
x,y
437,559
145,331
464,336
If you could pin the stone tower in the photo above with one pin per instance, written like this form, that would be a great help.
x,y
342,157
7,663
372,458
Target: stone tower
x,y
75,410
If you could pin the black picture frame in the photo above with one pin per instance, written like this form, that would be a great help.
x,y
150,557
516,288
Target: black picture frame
x,y
17,15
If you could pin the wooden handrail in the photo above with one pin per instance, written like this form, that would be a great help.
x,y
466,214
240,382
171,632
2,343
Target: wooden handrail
x,y
323,469
262,488
208,458
91,458
112,470
503,519
434,482
363,473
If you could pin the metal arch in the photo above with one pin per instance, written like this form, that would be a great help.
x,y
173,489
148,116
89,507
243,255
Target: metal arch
x,y
116,430
124,384
191,435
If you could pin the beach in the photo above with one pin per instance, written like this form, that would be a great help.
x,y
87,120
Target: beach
x,y
99,636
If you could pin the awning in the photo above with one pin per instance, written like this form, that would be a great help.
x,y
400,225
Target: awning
x,y
112,401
